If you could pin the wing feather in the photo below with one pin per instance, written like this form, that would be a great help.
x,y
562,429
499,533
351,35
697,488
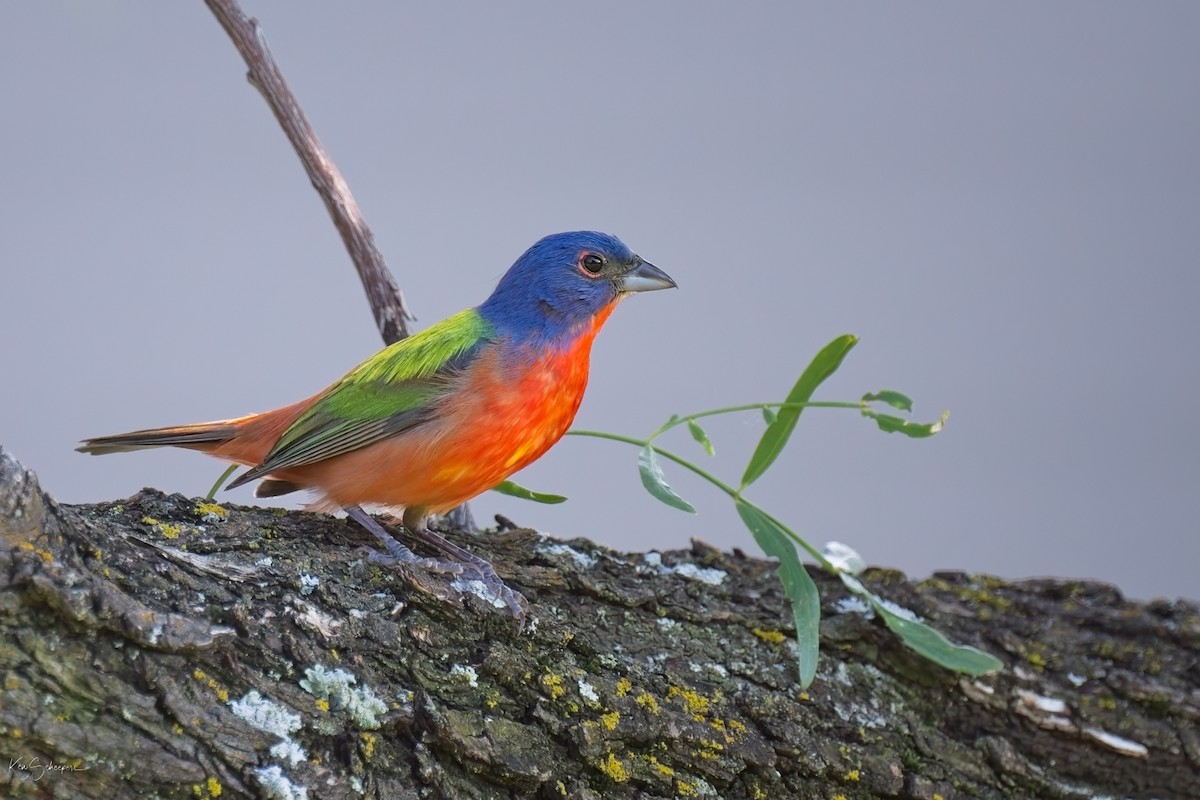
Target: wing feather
x,y
395,390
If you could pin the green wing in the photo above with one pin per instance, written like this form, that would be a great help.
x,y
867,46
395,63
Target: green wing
x,y
394,390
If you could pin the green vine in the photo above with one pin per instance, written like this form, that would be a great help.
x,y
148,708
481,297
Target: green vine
x,y
776,538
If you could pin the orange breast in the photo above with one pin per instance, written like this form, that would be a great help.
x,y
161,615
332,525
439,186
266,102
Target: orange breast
x,y
510,408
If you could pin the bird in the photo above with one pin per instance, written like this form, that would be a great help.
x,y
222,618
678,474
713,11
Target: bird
x,y
431,421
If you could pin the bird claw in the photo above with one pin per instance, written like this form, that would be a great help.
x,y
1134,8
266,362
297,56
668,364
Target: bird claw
x,y
391,558
466,566
494,585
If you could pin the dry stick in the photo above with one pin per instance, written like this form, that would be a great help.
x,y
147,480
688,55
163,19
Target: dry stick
x,y
385,297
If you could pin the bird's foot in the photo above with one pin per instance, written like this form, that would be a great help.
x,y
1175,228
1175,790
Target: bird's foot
x,y
396,552
482,570
465,564
399,554
496,591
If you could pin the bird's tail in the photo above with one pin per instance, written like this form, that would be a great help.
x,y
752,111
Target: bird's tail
x,y
203,436
246,440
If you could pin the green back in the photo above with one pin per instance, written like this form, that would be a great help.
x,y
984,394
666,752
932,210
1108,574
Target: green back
x,y
392,391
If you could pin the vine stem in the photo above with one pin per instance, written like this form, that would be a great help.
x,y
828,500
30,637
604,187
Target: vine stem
x,y
717,482
671,423
680,460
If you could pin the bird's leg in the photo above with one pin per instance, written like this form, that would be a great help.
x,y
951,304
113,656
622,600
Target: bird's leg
x,y
396,551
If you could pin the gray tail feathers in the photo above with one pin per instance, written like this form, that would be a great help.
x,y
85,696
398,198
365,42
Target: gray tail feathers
x,y
190,436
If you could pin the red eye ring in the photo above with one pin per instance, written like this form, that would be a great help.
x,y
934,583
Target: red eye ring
x,y
591,263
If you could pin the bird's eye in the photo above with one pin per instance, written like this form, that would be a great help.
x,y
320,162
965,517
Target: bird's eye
x,y
592,263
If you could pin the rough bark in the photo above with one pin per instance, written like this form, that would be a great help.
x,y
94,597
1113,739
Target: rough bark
x,y
133,636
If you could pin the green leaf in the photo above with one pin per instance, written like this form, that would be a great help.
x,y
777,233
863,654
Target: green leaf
x,y
656,483
778,432
513,490
927,640
798,585
700,436
894,399
220,482
769,415
889,423
932,644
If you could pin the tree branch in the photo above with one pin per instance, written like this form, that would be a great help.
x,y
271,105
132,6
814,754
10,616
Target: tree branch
x,y
165,647
384,295
387,301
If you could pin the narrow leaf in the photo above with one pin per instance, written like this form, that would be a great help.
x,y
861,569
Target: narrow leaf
x,y
700,436
889,423
925,639
656,483
894,399
932,644
798,585
220,482
778,432
769,415
513,490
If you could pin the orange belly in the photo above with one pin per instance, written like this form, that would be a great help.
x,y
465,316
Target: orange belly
x,y
509,409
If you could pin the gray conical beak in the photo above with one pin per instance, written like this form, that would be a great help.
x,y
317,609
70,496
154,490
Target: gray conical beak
x,y
645,277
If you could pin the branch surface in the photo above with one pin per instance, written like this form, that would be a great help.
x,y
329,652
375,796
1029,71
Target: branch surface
x,y
164,647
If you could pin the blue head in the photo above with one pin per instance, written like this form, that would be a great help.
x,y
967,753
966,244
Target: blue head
x,y
562,281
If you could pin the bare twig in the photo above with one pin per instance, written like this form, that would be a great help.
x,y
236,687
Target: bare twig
x,y
385,297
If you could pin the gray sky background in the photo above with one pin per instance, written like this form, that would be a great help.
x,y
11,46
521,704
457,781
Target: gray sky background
x,y
1002,200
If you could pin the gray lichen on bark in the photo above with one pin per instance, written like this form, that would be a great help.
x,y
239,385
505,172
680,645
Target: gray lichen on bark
x,y
134,636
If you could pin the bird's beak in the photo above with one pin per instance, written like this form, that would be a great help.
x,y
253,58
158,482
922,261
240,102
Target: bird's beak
x,y
645,277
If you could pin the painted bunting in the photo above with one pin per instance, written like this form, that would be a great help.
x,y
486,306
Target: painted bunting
x,y
433,420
